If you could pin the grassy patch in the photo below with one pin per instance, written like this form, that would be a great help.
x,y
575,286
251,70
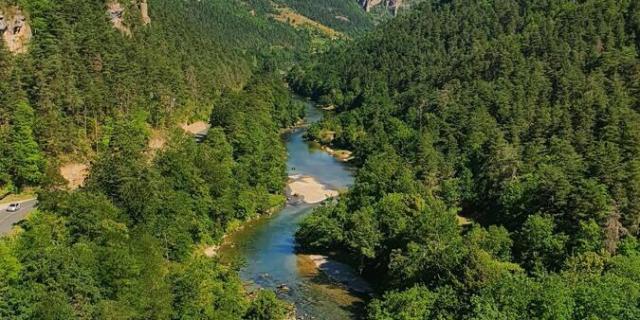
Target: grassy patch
x,y
27,195
287,15
462,221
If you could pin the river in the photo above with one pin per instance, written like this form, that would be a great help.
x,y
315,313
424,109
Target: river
x,y
267,245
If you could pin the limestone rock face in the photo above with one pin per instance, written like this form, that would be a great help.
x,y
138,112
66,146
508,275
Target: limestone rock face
x,y
144,11
15,30
367,5
391,5
116,14
394,6
3,23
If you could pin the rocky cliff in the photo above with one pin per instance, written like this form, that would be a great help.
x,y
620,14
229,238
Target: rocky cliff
x,y
116,12
15,29
143,5
393,6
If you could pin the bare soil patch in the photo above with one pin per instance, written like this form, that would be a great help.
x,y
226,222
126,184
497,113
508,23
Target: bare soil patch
x,y
211,251
198,127
75,173
309,189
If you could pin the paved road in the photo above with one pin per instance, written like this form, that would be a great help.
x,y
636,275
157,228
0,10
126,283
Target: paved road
x,y
8,219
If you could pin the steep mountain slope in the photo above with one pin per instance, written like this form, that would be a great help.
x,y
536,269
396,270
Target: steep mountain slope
x,y
345,16
96,79
129,244
74,66
381,10
522,115
393,6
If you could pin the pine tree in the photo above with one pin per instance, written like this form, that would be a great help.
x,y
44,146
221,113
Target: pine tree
x,y
27,161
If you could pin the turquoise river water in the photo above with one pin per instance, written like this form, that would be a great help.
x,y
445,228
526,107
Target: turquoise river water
x,y
267,245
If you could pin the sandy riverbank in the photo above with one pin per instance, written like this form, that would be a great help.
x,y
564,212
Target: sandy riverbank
x,y
305,188
309,189
310,265
341,155
211,251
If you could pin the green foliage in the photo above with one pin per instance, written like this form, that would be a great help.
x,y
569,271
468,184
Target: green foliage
x,y
125,245
521,115
79,72
251,121
559,297
266,306
540,247
322,230
205,290
344,16
413,304
27,163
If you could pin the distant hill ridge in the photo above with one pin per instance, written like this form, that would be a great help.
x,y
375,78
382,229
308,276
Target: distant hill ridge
x,y
75,66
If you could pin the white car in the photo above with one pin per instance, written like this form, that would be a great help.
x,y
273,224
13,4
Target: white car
x,y
14,207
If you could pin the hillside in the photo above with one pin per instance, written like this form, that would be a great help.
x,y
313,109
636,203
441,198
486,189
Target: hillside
x,y
111,84
521,116
76,66
344,16
130,243
392,7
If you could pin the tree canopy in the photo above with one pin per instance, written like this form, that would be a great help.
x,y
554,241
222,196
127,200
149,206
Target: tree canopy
x,y
521,116
128,245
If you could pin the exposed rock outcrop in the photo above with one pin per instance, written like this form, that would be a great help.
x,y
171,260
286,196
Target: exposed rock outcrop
x,y
116,14
75,174
198,129
15,30
391,5
367,5
144,11
3,23
394,6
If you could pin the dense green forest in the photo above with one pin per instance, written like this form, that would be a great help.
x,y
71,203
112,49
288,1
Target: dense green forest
x,y
126,245
521,116
80,73
497,145
342,15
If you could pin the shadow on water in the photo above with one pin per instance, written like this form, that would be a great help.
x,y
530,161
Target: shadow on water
x,y
267,245
350,301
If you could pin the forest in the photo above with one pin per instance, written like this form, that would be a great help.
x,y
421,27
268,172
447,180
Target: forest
x,y
80,74
498,145
344,16
129,243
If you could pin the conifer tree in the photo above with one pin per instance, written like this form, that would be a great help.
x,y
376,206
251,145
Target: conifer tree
x,y
27,159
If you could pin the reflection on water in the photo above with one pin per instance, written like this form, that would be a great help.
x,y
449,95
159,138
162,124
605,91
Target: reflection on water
x,y
307,160
267,245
